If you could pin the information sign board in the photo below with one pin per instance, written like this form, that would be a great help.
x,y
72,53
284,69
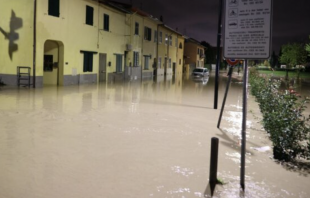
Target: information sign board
x,y
247,30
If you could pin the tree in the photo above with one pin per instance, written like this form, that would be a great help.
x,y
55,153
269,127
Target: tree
x,y
292,55
273,60
210,53
307,48
266,63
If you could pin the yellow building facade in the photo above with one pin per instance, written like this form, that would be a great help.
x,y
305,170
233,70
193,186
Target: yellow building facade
x,y
84,41
168,50
16,38
193,54
75,42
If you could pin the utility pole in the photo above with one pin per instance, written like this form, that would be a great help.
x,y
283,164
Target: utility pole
x,y
218,56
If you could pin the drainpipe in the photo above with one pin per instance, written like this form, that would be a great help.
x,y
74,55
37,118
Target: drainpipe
x,y
142,47
157,50
34,43
157,45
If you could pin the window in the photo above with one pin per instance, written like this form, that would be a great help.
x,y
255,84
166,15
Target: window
x,y
155,36
180,61
53,8
198,51
106,22
136,28
170,40
135,59
180,46
119,63
159,63
169,63
201,52
147,33
166,39
88,62
146,62
160,37
89,15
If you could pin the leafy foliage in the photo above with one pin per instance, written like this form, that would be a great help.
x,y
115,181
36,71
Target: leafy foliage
x,y
283,117
210,53
273,60
293,54
307,48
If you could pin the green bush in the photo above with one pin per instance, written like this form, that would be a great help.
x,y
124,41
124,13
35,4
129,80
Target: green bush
x,y
283,117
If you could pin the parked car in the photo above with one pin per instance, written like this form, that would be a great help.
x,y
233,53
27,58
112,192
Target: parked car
x,y
200,72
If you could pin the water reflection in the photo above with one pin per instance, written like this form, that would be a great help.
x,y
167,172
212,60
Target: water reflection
x,y
202,80
143,138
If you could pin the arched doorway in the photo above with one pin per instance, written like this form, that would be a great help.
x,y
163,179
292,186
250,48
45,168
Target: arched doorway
x,y
53,62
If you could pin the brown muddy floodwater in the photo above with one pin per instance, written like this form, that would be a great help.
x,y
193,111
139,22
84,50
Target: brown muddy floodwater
x,y
134,140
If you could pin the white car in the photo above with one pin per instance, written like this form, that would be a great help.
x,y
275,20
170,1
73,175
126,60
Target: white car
x,y
200,72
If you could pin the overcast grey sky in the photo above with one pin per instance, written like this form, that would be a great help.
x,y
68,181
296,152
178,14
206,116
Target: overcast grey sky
x,y
199,18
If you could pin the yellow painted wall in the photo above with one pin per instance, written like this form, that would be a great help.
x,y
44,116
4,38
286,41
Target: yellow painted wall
x,y
191,51
165,50
113,41
71,34
71,30
20,15
134,40
180,55
149,47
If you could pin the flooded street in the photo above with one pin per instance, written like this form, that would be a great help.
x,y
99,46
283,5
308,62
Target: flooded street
x,y
135,140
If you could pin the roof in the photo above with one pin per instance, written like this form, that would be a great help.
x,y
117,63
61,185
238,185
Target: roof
x,y
123,7
129,9
171,29
194,41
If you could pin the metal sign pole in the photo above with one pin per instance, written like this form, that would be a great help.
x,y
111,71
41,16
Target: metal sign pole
x,y
224,100
243,132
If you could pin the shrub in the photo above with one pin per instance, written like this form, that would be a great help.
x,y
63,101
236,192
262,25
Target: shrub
x,y
283,117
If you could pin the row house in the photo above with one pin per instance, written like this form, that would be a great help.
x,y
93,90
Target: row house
x,y
84,41
194,54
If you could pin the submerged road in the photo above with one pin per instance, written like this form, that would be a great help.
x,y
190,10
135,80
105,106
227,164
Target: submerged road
x,y
134,139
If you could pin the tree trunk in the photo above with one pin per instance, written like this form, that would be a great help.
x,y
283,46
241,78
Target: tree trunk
x,y
298,74
286,75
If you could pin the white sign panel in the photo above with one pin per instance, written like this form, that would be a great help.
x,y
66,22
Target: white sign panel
x,y
247,29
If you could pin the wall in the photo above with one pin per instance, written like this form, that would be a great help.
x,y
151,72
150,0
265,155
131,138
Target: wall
x,y
114,41
149,48
69,30
191,54
16,38
165,50
180,56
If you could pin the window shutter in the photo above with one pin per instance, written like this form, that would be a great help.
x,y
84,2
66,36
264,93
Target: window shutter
x,y
149,34
145,33
53,8
90,62
85,63
89,15
136,28
106,25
